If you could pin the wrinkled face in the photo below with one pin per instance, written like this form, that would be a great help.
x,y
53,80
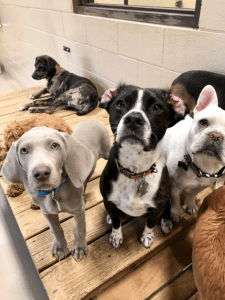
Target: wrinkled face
x,y
140,116
44,66
206,136
42,154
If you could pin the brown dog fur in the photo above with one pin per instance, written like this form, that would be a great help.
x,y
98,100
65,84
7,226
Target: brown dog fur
x,y
13,131
209,247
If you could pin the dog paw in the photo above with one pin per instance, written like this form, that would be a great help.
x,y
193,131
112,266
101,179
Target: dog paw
x,y
190,208
22,108
116,237
108,220
175,215
59,251
31,96
166,226
147,237
79,250
32,110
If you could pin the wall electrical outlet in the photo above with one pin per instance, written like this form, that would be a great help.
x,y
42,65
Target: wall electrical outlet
x,y
67,49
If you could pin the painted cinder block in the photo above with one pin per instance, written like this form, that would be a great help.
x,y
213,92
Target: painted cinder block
x,y
101,83
79,71
143,42
102,33
187,49
150,76
74,27
212,16
117,68
48,21
59,5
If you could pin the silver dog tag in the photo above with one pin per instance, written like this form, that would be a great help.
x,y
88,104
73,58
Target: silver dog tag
x,y
55,197
143,187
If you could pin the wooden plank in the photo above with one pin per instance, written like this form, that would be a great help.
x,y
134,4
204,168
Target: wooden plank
x,y
21,93
154,273
104,264
18,101
40,245
195,297
180,289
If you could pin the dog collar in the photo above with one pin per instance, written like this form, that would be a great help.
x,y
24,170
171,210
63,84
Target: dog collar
x,y
132,175
187,162
57,71
44,193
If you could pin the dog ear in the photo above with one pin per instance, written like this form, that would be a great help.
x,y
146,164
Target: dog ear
x,y
178,108
51,64
106,98
79,161
11,169
207,98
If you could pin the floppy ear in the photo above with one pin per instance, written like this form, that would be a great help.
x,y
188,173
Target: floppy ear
x,y
79,161
207,98
106,98
11,169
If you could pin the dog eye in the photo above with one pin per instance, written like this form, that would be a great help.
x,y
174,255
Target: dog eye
x,y
157,108
55,146
24,150
203,122
120,104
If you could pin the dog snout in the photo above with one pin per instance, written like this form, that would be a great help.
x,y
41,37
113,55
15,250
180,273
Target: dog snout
x,y
41,173
134,121
216,136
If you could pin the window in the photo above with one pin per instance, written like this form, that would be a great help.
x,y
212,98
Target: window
x,y
183,13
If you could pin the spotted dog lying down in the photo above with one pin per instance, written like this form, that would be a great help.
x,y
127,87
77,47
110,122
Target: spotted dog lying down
x,y
66,89
135,180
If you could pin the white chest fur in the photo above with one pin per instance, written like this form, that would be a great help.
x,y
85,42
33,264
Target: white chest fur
x,y
125,193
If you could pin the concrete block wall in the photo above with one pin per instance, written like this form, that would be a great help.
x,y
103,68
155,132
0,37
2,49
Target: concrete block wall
x,y
107,50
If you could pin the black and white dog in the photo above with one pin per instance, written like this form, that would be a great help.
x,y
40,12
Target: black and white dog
x,y
135,180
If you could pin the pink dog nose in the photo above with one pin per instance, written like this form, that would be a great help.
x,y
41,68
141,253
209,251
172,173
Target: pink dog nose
x,y
216,136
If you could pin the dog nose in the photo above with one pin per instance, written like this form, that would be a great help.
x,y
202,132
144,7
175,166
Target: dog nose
x,y
134,121
216,136
41,173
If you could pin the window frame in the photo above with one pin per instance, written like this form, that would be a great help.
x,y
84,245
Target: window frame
x,y
156,15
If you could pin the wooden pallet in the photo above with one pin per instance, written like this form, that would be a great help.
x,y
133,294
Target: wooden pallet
x,y
130,272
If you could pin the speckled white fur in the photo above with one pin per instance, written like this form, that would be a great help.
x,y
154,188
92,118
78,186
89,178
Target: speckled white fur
x,y
166,226
116,237
147,237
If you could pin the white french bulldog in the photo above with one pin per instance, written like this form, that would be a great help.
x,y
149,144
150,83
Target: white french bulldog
x,y
195,151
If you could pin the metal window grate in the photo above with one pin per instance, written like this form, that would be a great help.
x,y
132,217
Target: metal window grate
x,y
122,9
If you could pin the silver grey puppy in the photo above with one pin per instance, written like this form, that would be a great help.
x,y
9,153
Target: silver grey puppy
x,y
55,167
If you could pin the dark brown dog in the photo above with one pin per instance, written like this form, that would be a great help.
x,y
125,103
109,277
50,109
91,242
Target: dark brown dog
x,y
66,89
209,247
189,85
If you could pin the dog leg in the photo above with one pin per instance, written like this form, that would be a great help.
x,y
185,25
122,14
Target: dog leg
x,y
116,237
175,211
50,109
190,203
45,102
166,223
80,247
59,248
38,94
147,236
